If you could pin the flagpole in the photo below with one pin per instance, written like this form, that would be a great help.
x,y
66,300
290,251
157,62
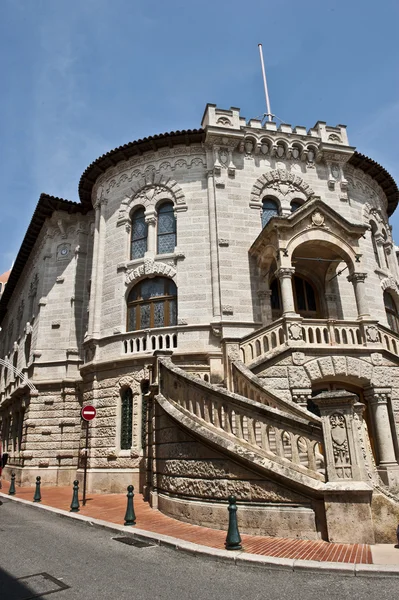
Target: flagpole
x,y
269,112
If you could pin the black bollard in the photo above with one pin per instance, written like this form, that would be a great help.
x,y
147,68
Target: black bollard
x,y
11,491
233,539
75,497
37,497
130,517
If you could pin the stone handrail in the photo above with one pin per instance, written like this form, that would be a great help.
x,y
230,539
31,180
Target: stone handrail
x,y
315,333
284,445
250,386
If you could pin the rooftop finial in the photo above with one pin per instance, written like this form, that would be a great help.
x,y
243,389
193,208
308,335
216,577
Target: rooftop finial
x,y
268,114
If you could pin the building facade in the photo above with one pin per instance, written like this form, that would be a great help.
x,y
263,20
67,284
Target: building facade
x,y
227,298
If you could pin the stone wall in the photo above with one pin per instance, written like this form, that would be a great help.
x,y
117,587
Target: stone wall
x,y
193,482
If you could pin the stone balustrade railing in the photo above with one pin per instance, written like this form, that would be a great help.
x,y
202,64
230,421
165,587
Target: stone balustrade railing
x,y
147,341
246,384
317,333
290,443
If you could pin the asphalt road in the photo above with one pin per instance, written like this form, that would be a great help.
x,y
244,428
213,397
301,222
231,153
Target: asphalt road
x,y
96,567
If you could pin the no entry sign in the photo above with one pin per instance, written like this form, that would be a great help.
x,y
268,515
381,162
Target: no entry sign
x,y
88,413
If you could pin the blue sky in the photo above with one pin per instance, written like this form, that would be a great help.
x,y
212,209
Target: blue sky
x,y
80,77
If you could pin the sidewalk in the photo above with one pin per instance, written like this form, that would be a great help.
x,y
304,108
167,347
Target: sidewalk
x,y
112,507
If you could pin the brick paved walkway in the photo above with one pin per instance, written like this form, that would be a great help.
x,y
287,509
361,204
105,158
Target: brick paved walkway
x,y
112,507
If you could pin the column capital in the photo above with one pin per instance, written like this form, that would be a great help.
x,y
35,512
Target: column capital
x,y
284,272
357,277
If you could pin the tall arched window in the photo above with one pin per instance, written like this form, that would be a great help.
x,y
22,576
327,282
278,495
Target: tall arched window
x,y
139,234
269,210
375,249
152,303
166,229
126,419
391,312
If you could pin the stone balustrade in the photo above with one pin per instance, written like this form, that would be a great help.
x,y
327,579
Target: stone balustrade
x,y
246,384
141,342
287,440
316,333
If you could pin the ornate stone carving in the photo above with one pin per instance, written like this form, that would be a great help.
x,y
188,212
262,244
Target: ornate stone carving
x,y
298,358
372,334
340,445
150,267
317,219
294,331
376,359
280,178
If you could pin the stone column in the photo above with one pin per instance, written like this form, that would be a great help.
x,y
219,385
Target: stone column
x,y
214,251
284,275
151,222
358,282
387,467
98,261
347,495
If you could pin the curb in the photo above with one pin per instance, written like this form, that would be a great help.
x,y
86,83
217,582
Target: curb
x,y
238,558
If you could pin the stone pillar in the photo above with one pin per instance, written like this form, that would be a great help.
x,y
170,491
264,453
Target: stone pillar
x,y
347,495
387,466
358,282
231,352
214,251
98,261
284,275
151,222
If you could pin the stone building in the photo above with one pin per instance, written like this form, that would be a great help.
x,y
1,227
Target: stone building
x,y
227,298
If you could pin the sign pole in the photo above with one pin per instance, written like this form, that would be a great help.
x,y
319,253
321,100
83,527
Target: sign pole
x,y
85,463
87,413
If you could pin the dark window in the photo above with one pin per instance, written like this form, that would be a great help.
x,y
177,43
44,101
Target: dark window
x,y
126,419
166,229
139,234
152,303
269,210
305,298
295,204
391,312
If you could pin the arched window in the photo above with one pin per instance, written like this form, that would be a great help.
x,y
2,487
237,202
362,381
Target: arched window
x,y
126,419
295,204
269,210
391,312
375,249
139,234
166,229
152,303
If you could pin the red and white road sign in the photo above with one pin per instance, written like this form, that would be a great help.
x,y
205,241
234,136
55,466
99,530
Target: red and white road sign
x,y
88,413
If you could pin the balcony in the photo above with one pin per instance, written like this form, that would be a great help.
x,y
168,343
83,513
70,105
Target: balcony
x,y
147,341
316,333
